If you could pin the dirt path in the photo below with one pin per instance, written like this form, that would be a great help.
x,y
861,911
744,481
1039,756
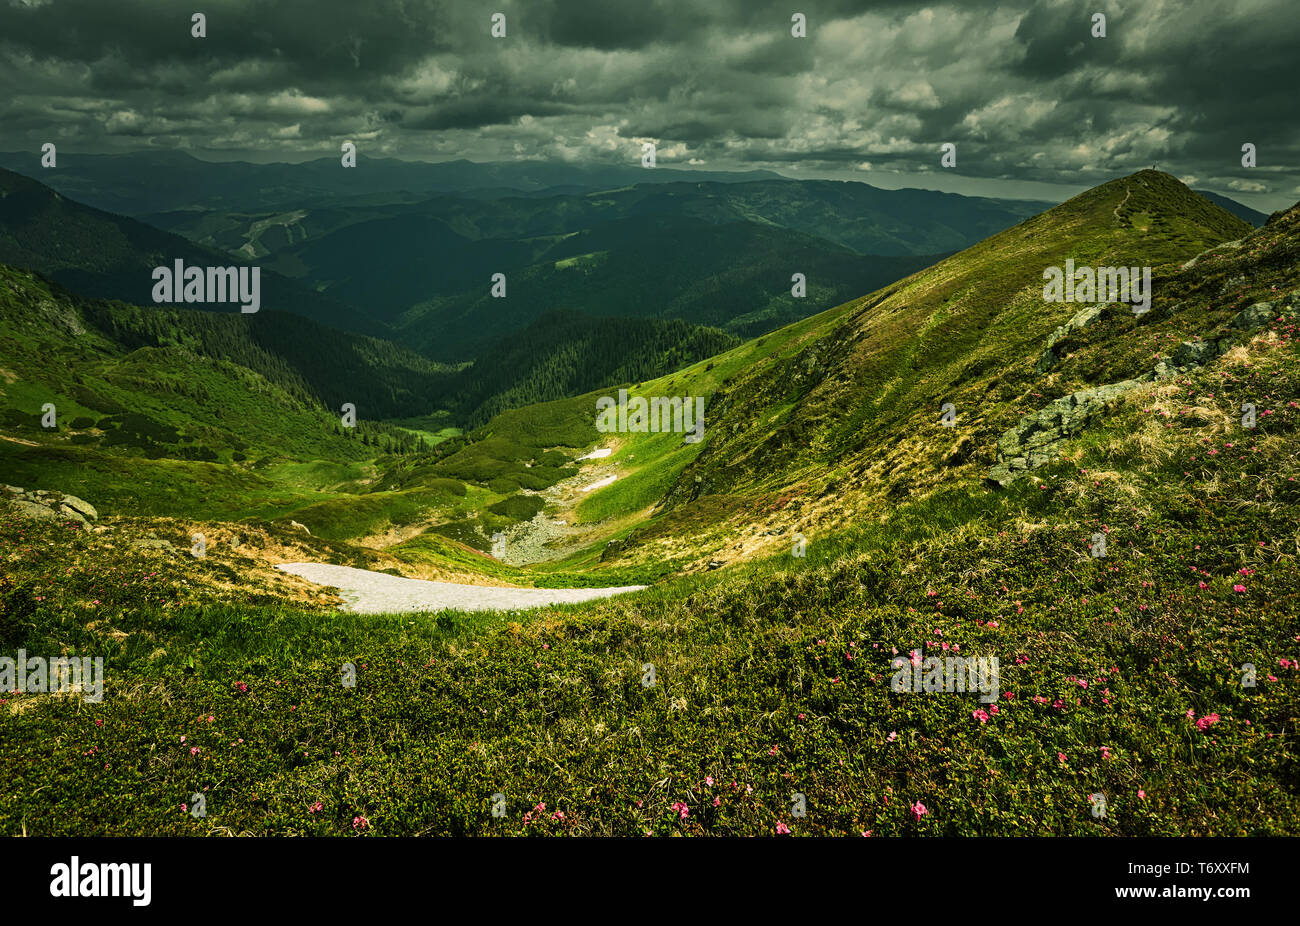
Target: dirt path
x,y
366,592
1127,193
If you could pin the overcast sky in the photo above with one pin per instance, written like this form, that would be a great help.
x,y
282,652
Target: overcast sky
x,y
1036,106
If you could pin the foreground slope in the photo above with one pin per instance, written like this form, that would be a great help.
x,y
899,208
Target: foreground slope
x,y
1120,676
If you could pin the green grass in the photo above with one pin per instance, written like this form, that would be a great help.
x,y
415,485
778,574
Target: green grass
x,y
654,466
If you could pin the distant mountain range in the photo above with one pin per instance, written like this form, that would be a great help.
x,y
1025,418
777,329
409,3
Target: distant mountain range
x,y
161,181
1245,213
716,254
96,253
388,262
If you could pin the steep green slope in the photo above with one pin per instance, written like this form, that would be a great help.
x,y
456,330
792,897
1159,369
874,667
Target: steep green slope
x,y
853,407
309,360
961,333
179,412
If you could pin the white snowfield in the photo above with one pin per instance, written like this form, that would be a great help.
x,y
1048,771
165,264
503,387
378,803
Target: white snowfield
x,y
366,592
599,454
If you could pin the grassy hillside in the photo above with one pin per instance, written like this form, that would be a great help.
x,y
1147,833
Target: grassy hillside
x,y
171,412
770,681
839,416
1122,674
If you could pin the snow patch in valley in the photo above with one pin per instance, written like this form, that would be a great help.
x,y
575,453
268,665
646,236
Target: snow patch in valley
x,y
366,592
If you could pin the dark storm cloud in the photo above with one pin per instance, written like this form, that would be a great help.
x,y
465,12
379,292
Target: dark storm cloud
x,y
466,114
609,26
1055,44
1025,91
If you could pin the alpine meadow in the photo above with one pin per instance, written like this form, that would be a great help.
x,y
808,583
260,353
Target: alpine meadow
x,y
676,419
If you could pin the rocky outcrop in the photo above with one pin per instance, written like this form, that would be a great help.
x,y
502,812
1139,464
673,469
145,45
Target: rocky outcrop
x,y
1191,354
44,504
1033,441
1082,320
1257,316
1226,246
81,507
1036,437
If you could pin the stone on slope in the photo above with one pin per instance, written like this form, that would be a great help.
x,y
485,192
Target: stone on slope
x,y
33,510
1254,317
69,512
82,507
1082,320
1034,439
